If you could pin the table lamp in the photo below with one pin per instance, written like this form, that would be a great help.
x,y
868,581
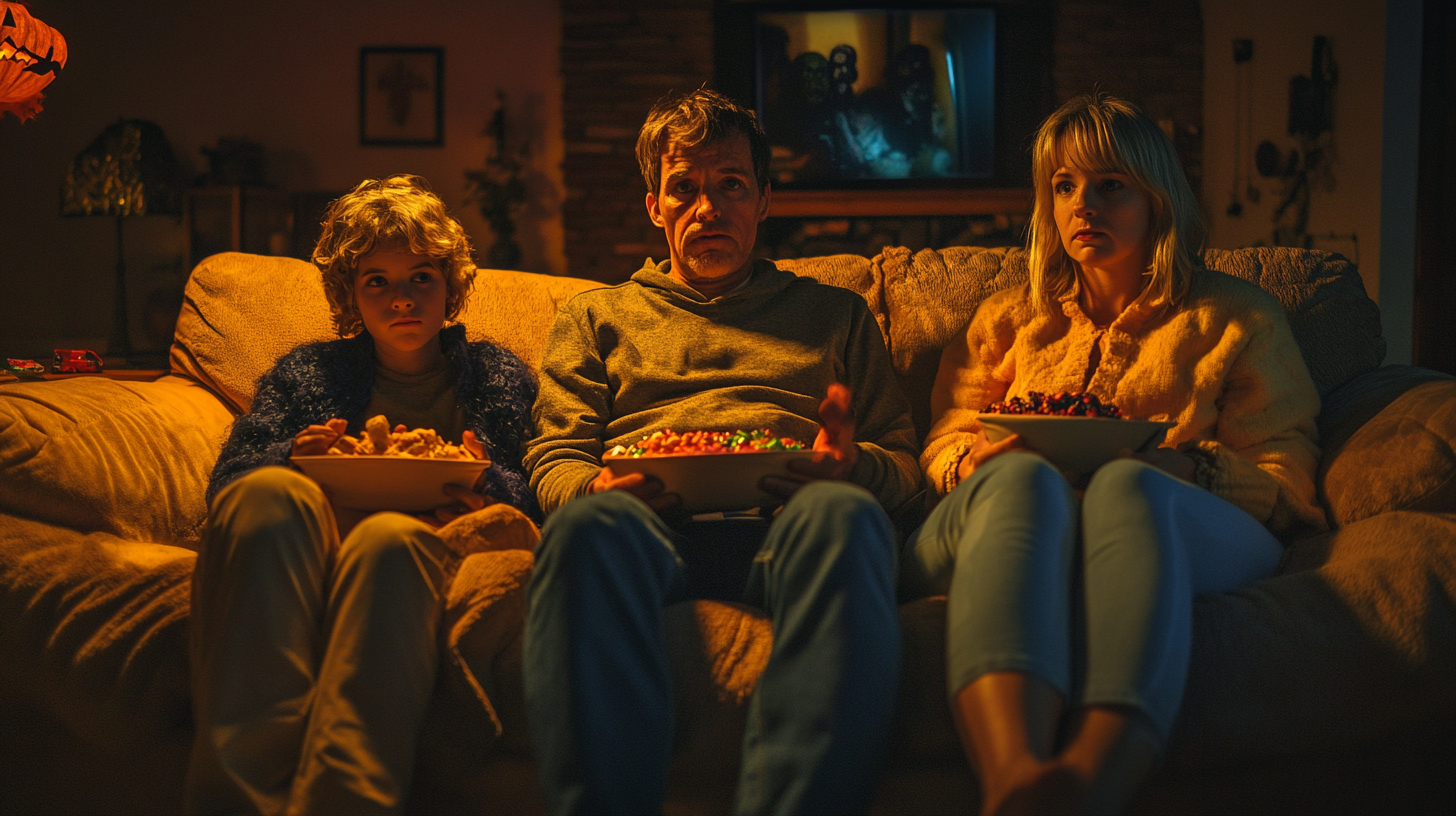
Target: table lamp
x,y
129,169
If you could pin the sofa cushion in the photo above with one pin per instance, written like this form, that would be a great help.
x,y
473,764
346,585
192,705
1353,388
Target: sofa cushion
x,y
241,312
1335,323
97,455
1404,457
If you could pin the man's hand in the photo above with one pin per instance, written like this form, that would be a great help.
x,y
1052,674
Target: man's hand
x,y
647,488
835,452
315,440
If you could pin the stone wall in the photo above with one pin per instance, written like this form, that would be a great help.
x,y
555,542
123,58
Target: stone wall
x,y
620,56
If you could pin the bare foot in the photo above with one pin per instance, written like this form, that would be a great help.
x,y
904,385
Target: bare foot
x,y
1045,789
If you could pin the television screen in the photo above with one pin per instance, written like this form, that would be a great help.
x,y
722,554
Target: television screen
x,y
866,95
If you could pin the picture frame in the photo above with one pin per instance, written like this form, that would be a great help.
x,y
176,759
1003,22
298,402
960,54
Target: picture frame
x,y
401,96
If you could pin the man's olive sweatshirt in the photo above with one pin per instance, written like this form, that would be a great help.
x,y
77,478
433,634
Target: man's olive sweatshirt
x,y
653,354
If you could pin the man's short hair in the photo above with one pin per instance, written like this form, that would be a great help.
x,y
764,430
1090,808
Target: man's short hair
x,y
693,119
396,211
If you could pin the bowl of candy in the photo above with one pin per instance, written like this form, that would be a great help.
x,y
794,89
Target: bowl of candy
x,y
1076,432
711,470
392,470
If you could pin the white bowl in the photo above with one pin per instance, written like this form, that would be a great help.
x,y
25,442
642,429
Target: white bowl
x,y
1077,444
403,483
710,482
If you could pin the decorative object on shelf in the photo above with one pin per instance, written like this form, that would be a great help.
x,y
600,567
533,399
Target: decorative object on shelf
x,y
402,96
24,369
31,55
77,361
129,169
498,188
260,220
234,162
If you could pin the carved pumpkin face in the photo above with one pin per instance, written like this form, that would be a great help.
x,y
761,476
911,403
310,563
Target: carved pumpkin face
x,y
31,55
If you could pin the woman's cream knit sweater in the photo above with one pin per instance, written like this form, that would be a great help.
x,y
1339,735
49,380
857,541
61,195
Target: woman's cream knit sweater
x,y
1225,368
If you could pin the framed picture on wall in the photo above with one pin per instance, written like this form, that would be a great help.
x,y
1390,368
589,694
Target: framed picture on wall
x,y
401,96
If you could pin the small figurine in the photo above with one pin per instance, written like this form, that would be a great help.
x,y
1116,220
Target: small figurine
x,y
25,369
77,361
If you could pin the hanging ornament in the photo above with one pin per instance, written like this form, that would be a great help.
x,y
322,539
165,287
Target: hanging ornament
x,y
31,55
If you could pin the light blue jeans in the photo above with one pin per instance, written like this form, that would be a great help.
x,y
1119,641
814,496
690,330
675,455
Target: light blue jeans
x,y
598,684
1096,597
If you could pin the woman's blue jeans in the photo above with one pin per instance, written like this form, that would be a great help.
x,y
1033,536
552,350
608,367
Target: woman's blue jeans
x,y
598,684
1094,597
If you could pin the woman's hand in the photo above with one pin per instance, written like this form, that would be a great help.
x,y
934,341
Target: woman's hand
x,y
647,488
466,501
983,450
315,440
835,451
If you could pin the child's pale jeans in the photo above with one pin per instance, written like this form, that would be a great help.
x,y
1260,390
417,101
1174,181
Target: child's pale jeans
x,y
312,660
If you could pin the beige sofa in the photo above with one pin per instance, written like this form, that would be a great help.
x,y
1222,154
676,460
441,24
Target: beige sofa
x,y
1328,688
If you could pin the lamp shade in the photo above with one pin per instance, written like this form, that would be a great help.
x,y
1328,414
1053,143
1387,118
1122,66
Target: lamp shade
x,y
31,54
129,169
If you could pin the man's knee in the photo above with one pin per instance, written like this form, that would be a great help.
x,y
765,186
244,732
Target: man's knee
x,y
841,518
590,531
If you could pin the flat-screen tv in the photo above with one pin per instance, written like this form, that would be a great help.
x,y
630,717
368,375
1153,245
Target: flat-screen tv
x,y
890,96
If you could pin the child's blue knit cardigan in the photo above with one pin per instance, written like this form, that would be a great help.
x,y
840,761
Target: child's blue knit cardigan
x,y
319,381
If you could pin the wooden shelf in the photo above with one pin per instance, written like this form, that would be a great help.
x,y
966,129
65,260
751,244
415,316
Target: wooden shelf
x,y
854,203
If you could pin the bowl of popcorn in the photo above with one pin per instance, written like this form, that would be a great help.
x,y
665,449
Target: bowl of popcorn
x,y
1076,432
711,470
404,470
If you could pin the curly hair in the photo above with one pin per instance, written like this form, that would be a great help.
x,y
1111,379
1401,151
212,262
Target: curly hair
x,y
396,210
697,118
1099,133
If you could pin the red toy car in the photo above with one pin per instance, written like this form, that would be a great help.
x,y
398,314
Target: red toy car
x,y
76,361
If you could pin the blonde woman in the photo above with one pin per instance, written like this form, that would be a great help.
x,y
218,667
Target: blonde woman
x,y
1070,614
314,631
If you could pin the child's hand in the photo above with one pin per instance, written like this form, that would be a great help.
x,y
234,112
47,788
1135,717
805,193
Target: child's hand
x,y
475,446
315,440
466,501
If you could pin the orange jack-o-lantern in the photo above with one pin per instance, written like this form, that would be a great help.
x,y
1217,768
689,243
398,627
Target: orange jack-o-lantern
x,y
31,54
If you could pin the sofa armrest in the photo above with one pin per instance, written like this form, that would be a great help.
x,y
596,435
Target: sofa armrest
x,y
96,455
1389,439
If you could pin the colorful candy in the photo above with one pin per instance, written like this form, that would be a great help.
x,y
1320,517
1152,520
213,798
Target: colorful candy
x,y
670,443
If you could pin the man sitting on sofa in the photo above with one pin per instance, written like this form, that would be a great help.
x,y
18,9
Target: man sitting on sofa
x,y
711,339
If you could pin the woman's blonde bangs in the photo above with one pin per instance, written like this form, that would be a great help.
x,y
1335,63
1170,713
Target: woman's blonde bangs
x,y
1102,134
